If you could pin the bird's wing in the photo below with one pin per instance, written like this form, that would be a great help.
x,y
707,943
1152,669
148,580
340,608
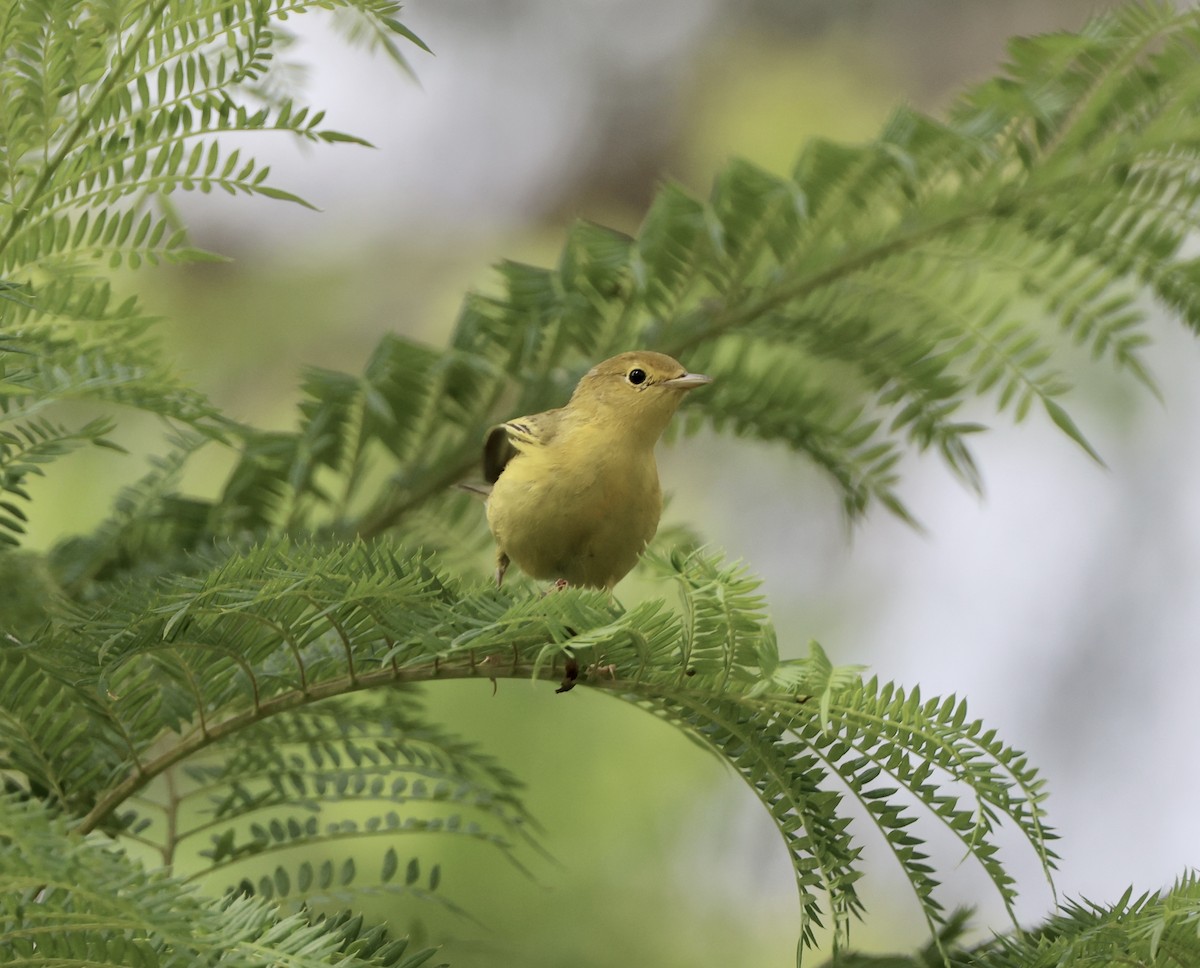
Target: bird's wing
x,y
506,440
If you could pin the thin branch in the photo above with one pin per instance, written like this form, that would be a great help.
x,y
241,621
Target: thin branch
x,y
461,667
171,841
293,699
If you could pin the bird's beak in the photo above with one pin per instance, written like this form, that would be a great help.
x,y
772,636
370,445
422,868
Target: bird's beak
x,y
689,381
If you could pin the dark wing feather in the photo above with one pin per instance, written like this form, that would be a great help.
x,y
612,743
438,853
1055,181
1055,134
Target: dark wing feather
x,y
506,440
498,450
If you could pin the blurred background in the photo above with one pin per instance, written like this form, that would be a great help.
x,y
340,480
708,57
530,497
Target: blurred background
x,y
1063,604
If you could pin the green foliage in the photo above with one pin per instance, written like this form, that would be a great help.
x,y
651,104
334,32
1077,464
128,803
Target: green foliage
x,y
27,446
180,681
1153,931
1158,929
66,899
107,110
237,650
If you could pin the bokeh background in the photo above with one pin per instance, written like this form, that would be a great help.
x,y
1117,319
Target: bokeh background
x,y
1063,604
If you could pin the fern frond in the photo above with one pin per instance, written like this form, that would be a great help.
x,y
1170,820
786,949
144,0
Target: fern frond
x,y
120,110
794,787
374,25
71,900
826,723
1157,928
265,796
872,735
241,648
63,758
25,449
103,115
70,339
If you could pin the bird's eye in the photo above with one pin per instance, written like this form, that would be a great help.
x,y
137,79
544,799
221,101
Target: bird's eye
x,y
637,376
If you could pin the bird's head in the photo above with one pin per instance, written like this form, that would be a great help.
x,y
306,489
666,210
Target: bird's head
x,y
637,392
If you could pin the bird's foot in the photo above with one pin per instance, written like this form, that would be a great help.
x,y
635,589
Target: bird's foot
x,y
490,661
570,674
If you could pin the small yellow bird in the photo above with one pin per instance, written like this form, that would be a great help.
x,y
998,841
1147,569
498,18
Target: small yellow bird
x,y
575,494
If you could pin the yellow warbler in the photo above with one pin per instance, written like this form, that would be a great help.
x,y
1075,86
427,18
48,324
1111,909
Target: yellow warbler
x,y
575,493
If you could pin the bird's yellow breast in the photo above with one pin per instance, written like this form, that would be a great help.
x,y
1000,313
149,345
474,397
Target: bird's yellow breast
x,y
581,508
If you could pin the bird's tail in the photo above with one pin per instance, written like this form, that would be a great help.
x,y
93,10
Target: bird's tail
x,y
481,491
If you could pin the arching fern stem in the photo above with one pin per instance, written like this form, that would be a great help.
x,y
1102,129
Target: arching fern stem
x,y
499,665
